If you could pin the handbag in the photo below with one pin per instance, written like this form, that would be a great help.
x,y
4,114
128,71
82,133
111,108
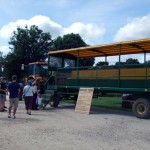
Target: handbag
x,y
23,96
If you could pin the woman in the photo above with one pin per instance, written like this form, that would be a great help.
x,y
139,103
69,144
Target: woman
x,y
35,91
28,93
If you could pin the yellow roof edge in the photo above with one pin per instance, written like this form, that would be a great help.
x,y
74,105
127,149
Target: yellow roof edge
x,y
101,46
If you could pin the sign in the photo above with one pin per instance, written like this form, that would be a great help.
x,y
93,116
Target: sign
x,y
84,100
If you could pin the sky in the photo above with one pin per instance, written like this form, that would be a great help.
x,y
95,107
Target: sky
x,y
97,21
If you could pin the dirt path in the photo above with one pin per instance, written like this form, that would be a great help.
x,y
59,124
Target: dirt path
x,y
62,128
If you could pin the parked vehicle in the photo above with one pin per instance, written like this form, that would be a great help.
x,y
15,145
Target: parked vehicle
x,y
38,70
132,78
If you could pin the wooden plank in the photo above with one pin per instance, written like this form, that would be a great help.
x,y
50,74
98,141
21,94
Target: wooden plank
x,y
84,100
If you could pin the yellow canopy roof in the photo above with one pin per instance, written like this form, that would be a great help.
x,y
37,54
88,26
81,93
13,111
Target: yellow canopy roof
x,y
127,47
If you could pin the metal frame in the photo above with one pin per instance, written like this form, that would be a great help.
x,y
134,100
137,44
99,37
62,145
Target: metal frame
x,y
121,48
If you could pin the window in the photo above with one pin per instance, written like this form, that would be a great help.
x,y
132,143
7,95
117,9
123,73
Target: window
x,y
55,62
69,63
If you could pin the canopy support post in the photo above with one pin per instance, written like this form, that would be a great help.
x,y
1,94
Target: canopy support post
x,y
119,57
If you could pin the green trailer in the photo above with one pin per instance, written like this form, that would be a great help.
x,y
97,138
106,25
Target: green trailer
x,y
66,76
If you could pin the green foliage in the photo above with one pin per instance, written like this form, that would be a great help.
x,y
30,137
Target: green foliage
x,y
1,63
12,66
27,45
68,41
87,62
132,61
121,63
72,41
129,61
102,63
30,44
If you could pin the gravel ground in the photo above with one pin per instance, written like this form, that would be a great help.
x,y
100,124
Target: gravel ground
x,y
62,128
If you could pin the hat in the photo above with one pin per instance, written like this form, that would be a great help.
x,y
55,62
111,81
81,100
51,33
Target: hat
x,y
29,82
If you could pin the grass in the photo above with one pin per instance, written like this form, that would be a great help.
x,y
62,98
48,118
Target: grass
x,y
109,102
106,102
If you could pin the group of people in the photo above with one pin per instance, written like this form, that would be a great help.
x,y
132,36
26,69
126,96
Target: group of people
x,y
13,88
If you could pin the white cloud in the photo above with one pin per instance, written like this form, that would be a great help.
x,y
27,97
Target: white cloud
x,y
88,32
46,24
4,50
137,28
43,22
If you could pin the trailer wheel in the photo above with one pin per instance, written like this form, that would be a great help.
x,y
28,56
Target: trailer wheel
x,y
54,102
141,108
75,99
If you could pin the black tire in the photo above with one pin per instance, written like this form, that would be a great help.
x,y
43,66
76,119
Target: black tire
x,y
75,99
141,108
126,104
55,99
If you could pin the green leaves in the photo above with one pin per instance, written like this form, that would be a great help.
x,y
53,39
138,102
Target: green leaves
x,y
72,41
32,44
102,63
27,45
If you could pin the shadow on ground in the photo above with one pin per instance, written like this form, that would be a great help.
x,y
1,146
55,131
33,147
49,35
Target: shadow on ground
x,y
93,111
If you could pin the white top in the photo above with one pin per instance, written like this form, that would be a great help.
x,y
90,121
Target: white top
x,y
35,90
28,90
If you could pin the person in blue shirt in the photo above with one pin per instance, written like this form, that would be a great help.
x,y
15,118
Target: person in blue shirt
x,y
14,89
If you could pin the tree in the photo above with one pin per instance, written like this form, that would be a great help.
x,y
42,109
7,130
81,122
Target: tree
x,y
27,45
68,41
121,63
148,62
72,41
129,61
102,63
132,61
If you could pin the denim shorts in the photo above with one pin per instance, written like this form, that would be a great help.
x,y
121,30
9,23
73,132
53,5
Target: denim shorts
x,y
13,102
